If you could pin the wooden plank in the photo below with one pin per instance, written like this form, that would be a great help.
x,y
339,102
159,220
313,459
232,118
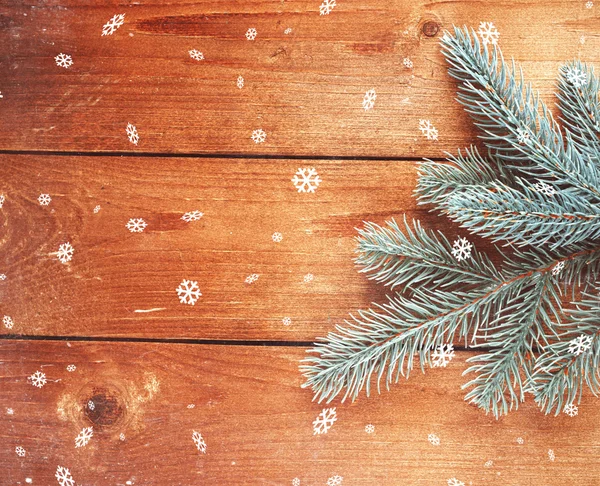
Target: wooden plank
x,y
124,284
305,88
257,423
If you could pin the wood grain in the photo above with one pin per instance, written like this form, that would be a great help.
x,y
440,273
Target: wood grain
x,y
305,88
257,423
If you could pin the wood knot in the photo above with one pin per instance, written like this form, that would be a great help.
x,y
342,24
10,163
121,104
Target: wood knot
x,y
430,28
103,407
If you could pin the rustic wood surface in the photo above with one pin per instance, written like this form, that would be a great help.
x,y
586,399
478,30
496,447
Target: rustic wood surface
x,y
257,423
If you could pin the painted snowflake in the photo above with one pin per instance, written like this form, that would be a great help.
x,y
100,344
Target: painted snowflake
x,y
188,292
551,455
2,199
20,451
84,437
110,27
558,268
250,279
286,321
199,441
428,130
488,33
121,436
545,189
461,249
38,379
589,4
71,368
97,209
489,463
63,476
576,77
571,410
455,482
1,96
407,63
442,355
369,428
8,322
10,411
259,136
192,216
191,405
277,237
335,480
296,482
2,276
251,34
132,134
324,421
309,277
433,439
306,180
580,344
369,100
520,440
64,60
44,199
240,82
91,405
136,225
65,252
196,55
326,7
523,136
287,31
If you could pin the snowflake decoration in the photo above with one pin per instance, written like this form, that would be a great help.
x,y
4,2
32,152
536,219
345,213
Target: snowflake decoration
x,y
488,33
306,180
326,7
576,77
8,322
63,476
132,134
369,428
369,100
442,355
309,277
277,237
589,4
571,410
44,199
296,482
259,136
113,24
136,225
63,60
191,405
523,136
251,34
250,279
20,451
2,199
199,441
455,482
65,252
10,411
38,379
1,95
520,440
192,216
84,436
545,189
407,63
287,31
121,436
240,82
428,130
188,292
97,209
2,276
91,405
558,268
196,55
286,321
324,421
335,480
71,368
433,439
489,463
461,249
551,455
580,344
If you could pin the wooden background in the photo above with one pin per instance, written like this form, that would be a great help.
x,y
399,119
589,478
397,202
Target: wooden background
x,y
142,357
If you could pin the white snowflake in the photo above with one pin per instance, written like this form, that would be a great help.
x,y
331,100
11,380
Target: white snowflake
x,y
63,476
63,60
84,437
277,237
286,321
551,455
199,441
461,249
250,279
121,436
576,77
38,379
558,268
369,100
489,463
523,136
259,136
240,82
455,482
488,33
407,63
309,277
428,130
580,345
10,411
97,209
113,24
196,55
20,451
520,440
132,134
2,276
65,252
589,4
8,322
2,199
335,480
571,410
188,292
442,355
296,482
251,34
324,421
306,180
433,439
192,216
71,368
1,96
545,189
91,405
326,7
136,225
191,405
44,199
287,31
369,428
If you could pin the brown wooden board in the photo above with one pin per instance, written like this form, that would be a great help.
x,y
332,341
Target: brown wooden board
x,y
304,88
256,422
